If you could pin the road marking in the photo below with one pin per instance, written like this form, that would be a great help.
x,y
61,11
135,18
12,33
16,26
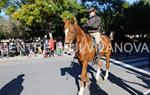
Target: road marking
x,y
129,66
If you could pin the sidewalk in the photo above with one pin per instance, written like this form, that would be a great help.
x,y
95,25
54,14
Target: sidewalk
x,y
30,57
20,57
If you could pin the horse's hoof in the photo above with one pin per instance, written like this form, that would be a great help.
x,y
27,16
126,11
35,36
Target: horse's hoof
x,y
81,91
97,79
105,78
80,94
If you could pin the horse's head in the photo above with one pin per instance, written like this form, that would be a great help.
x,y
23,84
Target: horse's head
x,y
70,32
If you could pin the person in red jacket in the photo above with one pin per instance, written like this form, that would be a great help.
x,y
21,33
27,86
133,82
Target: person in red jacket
x,y
51,46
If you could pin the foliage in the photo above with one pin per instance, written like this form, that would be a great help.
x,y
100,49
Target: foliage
x,y
2,3
83,20
136,18
44,15
147,1
35,13
68,16
38,17
108,10
10,10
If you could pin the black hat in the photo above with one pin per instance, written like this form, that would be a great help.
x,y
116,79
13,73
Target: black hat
x,y
91,9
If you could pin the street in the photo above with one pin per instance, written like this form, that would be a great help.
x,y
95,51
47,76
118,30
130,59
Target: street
x,y
60,76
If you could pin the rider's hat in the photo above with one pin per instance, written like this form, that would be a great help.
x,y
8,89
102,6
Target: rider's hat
x,y
91,10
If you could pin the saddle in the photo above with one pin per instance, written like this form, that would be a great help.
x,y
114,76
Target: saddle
x,y
94,44
97,56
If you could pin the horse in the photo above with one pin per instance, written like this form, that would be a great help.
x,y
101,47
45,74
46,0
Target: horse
x,y
86,51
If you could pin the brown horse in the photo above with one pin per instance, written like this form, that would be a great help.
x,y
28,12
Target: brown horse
x,y
86,51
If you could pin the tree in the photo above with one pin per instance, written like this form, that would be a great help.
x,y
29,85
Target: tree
x,y
108,10
2,3
137,18
42,16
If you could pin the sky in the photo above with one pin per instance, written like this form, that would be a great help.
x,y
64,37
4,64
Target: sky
x,y
2,13
130,1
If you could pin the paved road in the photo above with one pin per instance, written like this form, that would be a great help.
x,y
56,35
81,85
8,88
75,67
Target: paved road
x,y
55,76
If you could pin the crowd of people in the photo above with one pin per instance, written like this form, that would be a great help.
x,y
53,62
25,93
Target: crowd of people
x,y
46,46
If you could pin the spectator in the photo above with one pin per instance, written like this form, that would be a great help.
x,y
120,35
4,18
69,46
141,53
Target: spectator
x,y
39,46
4,49
44,41
21,48
59,48
32,50
51,46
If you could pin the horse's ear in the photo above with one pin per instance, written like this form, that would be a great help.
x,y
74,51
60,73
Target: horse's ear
x,y
73,20
65,20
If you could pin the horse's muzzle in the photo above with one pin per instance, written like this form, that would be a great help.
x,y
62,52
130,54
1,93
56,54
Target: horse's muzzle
x,y
67,45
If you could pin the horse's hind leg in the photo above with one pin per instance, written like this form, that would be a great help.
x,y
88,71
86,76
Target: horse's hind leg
x,y
98,70
107,66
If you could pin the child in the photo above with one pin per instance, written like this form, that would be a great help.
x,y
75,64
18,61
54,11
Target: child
x,y
59,48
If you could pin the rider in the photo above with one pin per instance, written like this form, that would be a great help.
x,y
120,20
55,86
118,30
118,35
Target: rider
x,y
93,27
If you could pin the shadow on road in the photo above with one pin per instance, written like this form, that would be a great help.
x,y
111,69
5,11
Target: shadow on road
x,y
145,79
75,70
122,83
94,88
14,87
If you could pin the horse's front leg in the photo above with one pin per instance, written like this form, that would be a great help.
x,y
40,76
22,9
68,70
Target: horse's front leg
x,y
98,70
107,67
83,78
88,82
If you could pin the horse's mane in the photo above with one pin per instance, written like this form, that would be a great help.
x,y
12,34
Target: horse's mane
x,y
81,32
78,28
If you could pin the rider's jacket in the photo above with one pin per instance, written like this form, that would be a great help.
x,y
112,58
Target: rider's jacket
x,y
93,24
